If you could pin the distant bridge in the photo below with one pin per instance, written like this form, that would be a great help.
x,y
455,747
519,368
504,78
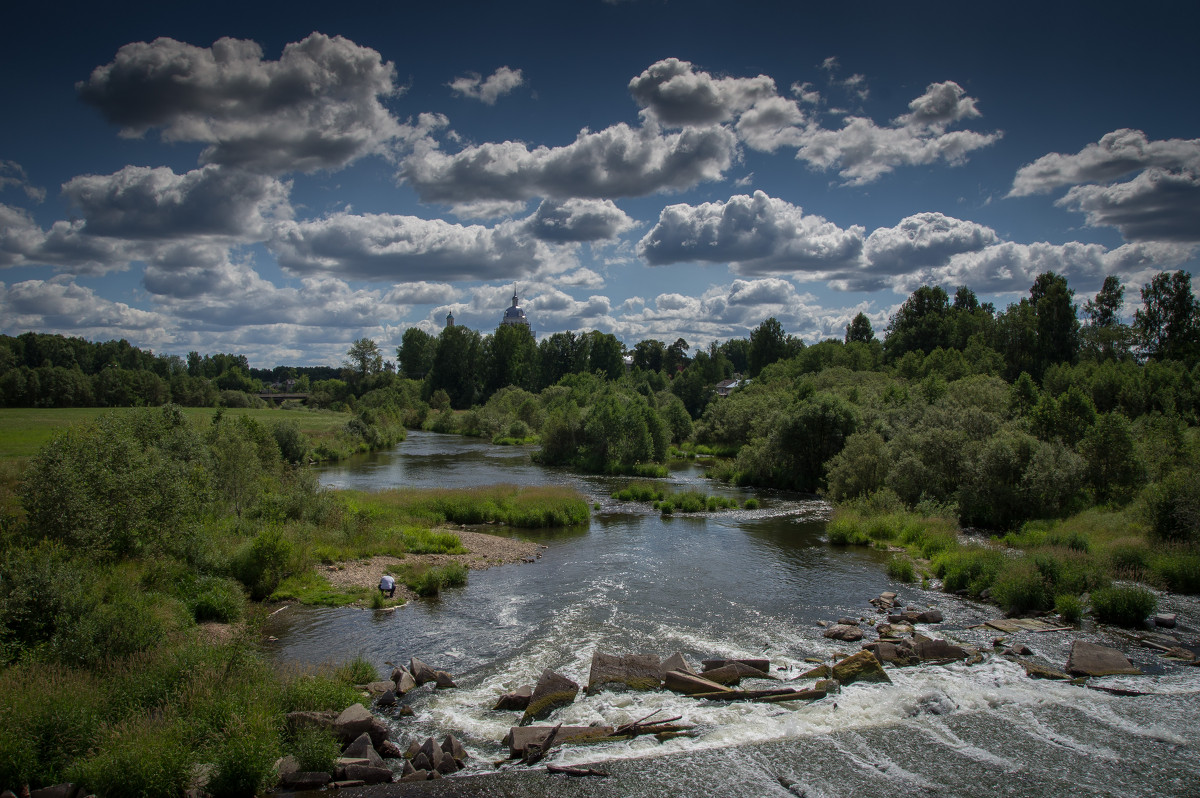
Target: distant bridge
x,y
282,397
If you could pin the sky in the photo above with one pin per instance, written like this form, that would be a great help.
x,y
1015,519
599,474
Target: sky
x,y
279,180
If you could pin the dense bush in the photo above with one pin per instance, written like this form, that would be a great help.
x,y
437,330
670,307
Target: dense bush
x,y
125,483
1123,606
1173,507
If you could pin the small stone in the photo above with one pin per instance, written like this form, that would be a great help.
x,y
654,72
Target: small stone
x,y
1166,620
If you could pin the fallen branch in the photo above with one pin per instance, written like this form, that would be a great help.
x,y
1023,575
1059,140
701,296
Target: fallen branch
x,y
536,751
639,725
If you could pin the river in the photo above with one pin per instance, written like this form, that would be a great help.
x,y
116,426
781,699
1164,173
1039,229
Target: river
x,y
744,583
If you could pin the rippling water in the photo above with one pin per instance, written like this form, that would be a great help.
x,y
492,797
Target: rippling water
x,y
742,584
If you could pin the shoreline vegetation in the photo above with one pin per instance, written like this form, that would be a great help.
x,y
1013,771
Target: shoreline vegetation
x,y
141,552
1017,456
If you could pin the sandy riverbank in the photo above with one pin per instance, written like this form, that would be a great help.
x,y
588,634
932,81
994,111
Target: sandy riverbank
x,y
483,551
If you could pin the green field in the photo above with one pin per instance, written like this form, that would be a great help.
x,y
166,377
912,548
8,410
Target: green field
x,y
24,430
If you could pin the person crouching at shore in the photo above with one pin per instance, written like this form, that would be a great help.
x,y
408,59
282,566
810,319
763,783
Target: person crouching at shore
x,y
387,585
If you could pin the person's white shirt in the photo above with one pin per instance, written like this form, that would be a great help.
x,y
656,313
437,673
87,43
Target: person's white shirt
x,y
387,582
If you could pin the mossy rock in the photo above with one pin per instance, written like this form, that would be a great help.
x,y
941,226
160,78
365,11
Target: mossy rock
x,y
553,690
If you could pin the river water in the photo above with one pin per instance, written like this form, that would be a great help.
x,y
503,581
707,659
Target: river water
x,y
743,584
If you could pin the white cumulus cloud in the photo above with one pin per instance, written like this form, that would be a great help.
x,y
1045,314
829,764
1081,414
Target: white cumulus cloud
x,y
754,234
496,85
317,107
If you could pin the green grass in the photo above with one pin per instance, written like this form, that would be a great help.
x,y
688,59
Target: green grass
x,y
526,508
640,492
669,503
427,581
901,569
24,430
309,587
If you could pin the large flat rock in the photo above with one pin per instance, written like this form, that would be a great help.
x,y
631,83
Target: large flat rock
x,y
1093,659
629,671
521,737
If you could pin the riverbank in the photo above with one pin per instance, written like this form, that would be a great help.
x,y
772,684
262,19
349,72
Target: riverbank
x,y
484,550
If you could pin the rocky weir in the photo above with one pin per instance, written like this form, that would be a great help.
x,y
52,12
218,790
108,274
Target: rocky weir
x,y
900,639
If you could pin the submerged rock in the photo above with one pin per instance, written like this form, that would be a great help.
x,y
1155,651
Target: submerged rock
x,y
553,690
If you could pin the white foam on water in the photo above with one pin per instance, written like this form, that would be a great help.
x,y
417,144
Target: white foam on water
x,y
860,752
944,737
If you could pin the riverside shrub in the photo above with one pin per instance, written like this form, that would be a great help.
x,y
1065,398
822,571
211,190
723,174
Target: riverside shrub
x,y
1123,606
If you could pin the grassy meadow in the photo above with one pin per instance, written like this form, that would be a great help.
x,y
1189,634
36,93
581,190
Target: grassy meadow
x,y
25,430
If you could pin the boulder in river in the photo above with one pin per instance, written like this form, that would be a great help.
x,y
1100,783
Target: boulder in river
x,y
734,672
675,662
452,747
631,671
1092,659
421,672
819,672
356,720
403,680
517,699
444,681
932,649
860,667
901,653
689,683
763,665
844,632
553,690
363,748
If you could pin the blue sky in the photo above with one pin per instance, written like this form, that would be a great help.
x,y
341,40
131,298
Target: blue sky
x,y
279,180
